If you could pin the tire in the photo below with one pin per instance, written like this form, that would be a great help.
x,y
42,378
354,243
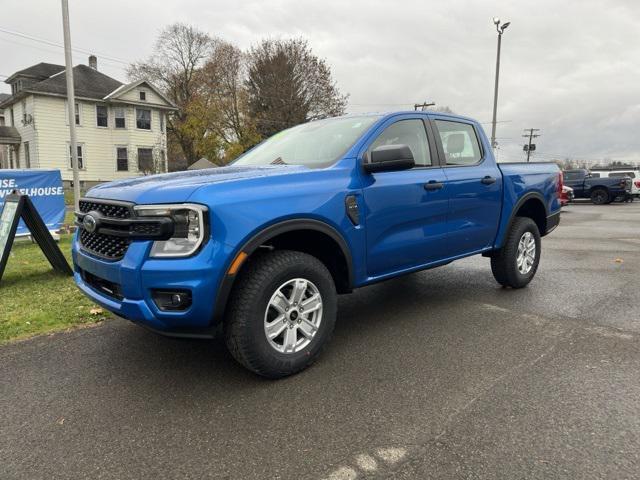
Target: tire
x,y
600,196
504,262
255,304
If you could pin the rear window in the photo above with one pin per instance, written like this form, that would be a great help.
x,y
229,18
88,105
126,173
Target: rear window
x,y
622,174
459,142
576,175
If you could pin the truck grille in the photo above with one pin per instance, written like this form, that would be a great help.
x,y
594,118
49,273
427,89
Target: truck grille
x,y
108,247
105,246
107,209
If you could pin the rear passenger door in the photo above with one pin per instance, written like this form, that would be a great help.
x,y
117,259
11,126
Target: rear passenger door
x,y
474,183
406,210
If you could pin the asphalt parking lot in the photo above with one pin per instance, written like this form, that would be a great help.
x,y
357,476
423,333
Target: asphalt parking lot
x,y
440,374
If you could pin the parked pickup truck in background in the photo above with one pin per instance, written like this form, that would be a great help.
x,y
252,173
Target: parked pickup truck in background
x,y
600,190
618,172
259,250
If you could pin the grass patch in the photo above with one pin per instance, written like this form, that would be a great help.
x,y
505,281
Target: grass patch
x,y
34,299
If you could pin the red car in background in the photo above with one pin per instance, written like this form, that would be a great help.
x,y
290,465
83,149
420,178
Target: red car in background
x,y
566,196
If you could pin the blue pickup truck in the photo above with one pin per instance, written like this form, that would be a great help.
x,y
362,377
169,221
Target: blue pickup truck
x,y
257,251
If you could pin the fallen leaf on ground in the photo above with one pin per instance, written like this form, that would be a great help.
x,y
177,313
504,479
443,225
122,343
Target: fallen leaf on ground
x,y
619,260
60,421
96,311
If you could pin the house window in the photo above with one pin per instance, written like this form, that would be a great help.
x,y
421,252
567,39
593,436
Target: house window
x,y
27,155
161,122
78,113
119,115
122,159
143,96
102,116
24,112
13,120
143,118
80,158
77,109
145,159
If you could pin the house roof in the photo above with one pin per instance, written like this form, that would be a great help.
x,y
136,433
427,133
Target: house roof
x,y
123,89
9,135
87,82
202,164
40,71
3,97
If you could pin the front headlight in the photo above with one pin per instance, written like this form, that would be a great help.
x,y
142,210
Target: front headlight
x,y
189,228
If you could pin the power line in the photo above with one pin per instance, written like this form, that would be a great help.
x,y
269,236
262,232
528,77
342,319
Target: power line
x,y
55,44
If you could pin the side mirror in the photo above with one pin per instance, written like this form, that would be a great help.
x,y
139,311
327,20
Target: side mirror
x,y
388,158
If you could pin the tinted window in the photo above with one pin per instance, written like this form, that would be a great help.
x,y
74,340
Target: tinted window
x,y
574,175
622,174
410,133
459,142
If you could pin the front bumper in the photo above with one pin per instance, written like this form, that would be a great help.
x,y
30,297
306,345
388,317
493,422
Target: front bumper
x,y
136,275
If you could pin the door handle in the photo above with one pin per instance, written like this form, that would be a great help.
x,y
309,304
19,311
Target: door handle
x,y
488,180
433,185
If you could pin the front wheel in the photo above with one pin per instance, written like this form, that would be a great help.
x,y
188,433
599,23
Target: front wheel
x,y
281,313
516,263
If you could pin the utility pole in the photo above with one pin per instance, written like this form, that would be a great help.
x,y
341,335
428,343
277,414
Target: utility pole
x,y
500,30
71,104
422,106
530,147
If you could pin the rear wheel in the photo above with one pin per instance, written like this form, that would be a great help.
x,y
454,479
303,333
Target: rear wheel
x,y
516,263
600,196
281,313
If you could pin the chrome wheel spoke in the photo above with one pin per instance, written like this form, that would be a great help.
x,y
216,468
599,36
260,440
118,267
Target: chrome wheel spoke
x,y
280,302
307,328
299,289
276,327
290,339
312,303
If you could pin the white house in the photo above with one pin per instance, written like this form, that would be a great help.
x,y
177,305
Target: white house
x,y
121,128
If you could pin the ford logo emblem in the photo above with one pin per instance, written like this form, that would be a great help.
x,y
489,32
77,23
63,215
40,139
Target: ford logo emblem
x,y
89,223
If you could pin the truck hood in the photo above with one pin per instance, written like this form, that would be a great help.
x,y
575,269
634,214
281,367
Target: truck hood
x,y
179,186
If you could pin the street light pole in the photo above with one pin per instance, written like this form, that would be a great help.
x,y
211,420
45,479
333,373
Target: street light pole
x,y
500,30
71,104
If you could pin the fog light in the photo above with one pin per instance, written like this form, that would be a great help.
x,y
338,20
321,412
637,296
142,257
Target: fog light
x,y
171,300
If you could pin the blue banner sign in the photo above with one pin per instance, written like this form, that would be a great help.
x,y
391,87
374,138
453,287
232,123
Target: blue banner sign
x,y
44,188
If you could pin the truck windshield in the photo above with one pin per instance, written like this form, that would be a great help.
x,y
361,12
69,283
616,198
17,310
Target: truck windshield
x,y
315,144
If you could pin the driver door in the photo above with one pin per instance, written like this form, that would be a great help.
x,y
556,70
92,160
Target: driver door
x,y
406,211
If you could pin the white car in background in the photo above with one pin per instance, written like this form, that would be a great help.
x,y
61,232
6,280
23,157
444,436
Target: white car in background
x,y
633,173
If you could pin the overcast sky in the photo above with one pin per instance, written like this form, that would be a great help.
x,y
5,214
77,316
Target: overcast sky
x,y
570,68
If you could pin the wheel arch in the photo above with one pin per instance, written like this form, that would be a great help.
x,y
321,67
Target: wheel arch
x,y
293,234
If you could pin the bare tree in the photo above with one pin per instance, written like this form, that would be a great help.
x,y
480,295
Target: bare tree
x,y
227,111
287,85
179,53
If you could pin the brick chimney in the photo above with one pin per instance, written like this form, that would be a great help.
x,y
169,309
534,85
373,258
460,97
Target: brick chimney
x,y
93,62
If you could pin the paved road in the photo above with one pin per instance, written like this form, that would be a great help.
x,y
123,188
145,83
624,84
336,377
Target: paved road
x,y
440,374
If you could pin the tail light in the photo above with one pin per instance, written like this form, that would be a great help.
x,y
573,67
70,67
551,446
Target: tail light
x,y
637,182
560,184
